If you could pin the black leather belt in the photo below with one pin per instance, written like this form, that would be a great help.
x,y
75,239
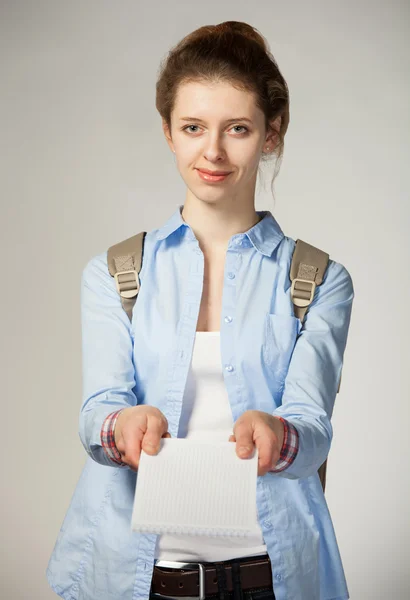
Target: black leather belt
x,y
199,580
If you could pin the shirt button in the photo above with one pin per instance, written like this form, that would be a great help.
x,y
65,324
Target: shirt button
x,y
267,523
278,577
238,241
228,319
229,368
231,275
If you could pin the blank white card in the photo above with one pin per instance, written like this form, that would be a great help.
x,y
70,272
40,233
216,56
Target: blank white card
x,y
196,488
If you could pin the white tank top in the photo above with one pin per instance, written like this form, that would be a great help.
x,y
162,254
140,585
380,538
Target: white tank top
x,y
206,414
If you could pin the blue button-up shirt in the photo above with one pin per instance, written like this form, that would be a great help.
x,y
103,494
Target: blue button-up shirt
x,y
270,363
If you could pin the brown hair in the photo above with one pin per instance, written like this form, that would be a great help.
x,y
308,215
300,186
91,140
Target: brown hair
x,y
233,52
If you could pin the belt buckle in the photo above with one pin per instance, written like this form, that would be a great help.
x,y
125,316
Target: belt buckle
x,y
169,564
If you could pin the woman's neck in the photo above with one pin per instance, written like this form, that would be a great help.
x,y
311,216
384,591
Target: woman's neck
x,y
214,225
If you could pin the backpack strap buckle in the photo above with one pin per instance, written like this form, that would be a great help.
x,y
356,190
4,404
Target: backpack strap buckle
x,y
127,283
302,295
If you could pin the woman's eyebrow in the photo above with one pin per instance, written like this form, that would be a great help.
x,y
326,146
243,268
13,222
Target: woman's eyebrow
x,y
227,121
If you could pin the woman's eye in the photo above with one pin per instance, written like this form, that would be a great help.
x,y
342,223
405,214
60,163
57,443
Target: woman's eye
x,y
234,127
241,127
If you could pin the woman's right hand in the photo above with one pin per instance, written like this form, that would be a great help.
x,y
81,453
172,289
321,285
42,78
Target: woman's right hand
x,y
137,427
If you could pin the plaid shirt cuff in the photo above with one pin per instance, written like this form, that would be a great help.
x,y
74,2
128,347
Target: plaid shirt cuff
x,y
108,439
290,446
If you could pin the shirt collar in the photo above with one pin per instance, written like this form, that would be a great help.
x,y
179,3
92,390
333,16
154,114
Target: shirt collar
x,y
265,235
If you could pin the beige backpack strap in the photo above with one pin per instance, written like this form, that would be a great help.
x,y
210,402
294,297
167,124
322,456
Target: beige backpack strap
x,y
307,271
124,264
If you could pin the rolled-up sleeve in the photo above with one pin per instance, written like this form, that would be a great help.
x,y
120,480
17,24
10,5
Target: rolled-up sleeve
x,y
107,357
290,446
315,369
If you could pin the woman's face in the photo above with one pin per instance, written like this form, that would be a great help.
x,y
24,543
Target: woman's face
x,y
209,131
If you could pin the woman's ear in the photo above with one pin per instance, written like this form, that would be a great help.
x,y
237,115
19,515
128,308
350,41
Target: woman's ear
x,y
272,136
167,134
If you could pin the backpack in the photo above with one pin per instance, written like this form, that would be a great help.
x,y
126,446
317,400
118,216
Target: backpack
x,y
307,270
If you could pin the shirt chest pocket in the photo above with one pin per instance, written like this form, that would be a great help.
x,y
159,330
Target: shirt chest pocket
x,y
279,339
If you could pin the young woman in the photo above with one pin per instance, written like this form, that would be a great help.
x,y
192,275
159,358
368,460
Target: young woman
x,y
213,351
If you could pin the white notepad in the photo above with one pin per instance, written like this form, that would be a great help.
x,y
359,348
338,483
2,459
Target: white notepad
x,y
196,488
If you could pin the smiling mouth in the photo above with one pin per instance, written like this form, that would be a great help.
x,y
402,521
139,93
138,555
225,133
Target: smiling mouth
x,y
211,177
213,173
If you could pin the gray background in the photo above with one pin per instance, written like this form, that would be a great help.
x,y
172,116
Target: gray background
x,y
85,164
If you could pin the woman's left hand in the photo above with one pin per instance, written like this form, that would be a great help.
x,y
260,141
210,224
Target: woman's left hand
x,y
263,430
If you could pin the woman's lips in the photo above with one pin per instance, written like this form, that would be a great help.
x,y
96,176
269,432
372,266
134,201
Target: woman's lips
x,y
211,178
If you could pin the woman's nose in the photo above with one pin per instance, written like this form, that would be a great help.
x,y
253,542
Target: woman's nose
x,y
214,150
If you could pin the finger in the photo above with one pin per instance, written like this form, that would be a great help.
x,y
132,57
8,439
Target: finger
x,y
244,438
265,445
155,431
132,438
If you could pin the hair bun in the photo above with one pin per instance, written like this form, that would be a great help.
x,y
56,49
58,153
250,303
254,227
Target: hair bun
x,y
239,27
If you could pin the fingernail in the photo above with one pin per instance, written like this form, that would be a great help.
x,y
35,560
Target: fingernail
x,y
244,449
